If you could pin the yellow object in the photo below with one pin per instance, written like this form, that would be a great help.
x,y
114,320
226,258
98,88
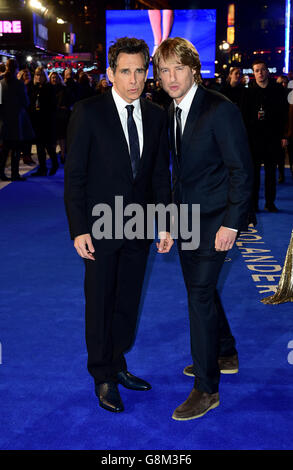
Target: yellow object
x,y
285,288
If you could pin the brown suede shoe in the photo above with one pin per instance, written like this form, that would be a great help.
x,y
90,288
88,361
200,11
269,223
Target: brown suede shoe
x,y
228,365
197,404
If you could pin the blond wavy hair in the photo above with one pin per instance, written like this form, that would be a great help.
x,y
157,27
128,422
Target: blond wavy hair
x,y
184,50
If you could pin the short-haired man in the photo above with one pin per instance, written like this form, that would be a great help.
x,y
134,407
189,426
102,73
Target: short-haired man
x,y
266,114
117,146
212,167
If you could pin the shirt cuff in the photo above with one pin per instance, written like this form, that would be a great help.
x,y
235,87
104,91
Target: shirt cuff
x,y
234,229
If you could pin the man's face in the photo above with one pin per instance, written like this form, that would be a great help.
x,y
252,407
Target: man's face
x,y
261,73
130,76
176,78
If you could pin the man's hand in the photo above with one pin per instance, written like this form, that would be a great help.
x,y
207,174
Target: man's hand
x,y
84,246
166,242
284,143
225,239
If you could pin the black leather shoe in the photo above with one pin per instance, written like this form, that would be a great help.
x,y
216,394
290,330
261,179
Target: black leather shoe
x,y
109,396
130,381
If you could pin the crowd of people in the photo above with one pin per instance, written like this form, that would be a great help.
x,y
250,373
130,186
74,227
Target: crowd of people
x,y
35,109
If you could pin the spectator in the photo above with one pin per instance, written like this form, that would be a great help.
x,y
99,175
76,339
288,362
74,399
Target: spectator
x,y
266,113
283,80
85,89
233,88
161,97
43,114
102,86
217,84
63,112
16,123
26,150
245,81
72,87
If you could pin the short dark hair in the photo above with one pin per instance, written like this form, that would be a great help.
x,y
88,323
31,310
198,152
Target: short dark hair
x,y
128,46
259,61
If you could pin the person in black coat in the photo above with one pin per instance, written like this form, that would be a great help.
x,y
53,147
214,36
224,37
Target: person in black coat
x,y
233,89
63,111
26,150
266,116
17,127
117,146
85,88
212,168
43,109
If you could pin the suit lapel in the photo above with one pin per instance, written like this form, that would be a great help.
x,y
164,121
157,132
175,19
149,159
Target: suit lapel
x,y
146,125
117,133
192,118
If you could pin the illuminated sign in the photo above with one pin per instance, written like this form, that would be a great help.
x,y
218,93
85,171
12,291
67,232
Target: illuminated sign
x,y
231,24
287,35
10,27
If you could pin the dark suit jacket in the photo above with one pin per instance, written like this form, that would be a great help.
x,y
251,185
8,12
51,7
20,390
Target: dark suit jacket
x,y
98,166
215,169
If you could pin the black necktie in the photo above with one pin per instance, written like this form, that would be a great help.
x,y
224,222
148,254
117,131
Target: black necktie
x,y
178,112
133,140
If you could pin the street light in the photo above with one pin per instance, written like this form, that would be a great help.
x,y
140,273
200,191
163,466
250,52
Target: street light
x,y
225,46
35,4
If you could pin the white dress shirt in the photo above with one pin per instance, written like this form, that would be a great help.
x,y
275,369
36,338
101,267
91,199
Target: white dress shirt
x,y
185,105
123,114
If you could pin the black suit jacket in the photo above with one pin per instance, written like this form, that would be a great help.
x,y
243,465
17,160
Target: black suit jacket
x,y
215,170
98,166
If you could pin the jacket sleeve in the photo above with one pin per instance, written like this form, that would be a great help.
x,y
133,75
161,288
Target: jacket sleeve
x,y
75,171
232,139
161,179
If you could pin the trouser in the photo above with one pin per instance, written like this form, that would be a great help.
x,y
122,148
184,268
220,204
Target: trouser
x,y
15,156
290,154
266,152
113,285
270,182
41,151
210,332
281,162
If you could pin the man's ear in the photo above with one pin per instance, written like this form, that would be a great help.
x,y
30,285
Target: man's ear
x,y
146,75
110,74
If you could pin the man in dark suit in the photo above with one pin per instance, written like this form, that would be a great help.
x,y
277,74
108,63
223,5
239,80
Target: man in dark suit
x,y
117,147
211,167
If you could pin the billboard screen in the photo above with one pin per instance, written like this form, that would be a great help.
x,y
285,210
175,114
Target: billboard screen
x,y
198,26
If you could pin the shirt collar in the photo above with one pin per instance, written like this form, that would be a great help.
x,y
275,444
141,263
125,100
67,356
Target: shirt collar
x,y
185,104
121,103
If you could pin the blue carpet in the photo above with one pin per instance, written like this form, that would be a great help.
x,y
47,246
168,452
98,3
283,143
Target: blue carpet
x,y
46,395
